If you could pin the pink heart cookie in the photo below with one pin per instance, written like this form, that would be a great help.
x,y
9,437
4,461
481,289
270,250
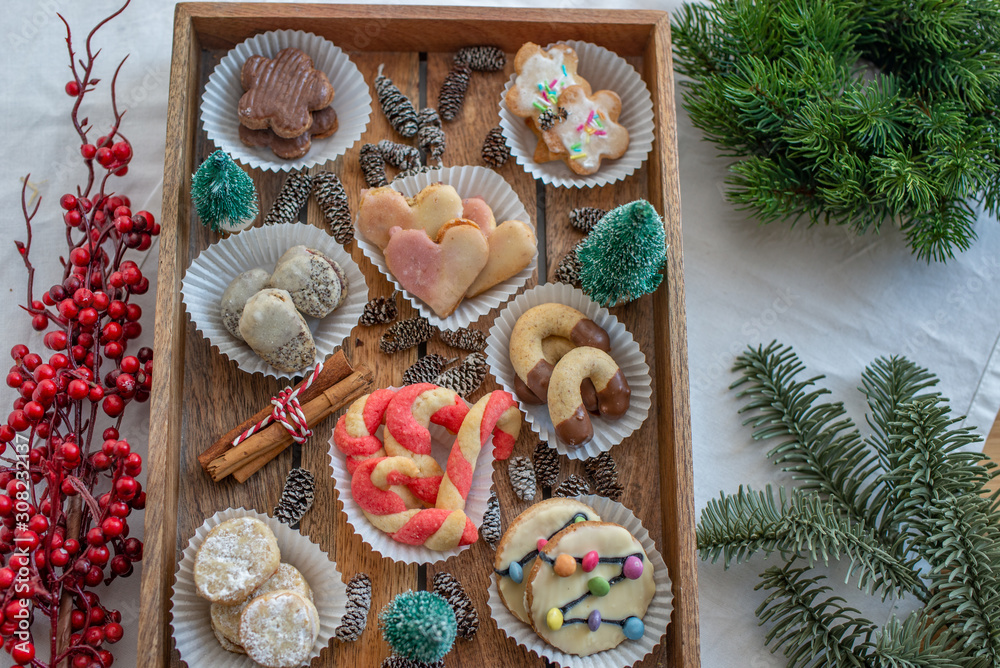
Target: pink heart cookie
x,y
438,272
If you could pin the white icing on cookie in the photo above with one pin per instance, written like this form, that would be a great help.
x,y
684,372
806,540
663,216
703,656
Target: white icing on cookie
x,y
586,133
542,78
571,595
520,543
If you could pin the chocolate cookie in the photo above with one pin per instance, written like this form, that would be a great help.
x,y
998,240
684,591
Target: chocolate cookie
x,y
324,124
281,92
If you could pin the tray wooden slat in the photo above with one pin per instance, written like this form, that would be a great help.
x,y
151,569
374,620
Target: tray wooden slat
x,y
197,394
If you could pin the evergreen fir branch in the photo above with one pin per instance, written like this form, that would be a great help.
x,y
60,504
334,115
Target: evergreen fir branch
x,y
812,633
915,643
819,446
735,527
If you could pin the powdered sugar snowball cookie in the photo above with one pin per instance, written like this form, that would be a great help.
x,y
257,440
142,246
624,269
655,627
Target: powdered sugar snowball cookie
x,y
242,288
519,546
236,558
276,331
226,618
315,282
278,629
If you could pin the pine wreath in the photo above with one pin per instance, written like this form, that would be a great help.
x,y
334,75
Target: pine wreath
x,y
852,112
908,506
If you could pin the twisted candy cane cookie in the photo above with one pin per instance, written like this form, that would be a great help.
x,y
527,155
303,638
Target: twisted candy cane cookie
x,y
589,588
519,546
354,434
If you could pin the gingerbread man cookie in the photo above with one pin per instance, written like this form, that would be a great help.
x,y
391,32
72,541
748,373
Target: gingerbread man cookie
x,y
589,133
541,77
589,588
281,92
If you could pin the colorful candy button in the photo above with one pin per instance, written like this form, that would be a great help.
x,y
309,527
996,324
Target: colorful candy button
x,y
578,519
590,561
554,619
542,542
634,628
515,572
598,586
633,568
594,620
565,565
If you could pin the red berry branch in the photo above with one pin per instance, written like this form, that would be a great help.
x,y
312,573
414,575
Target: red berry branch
x,y
65,496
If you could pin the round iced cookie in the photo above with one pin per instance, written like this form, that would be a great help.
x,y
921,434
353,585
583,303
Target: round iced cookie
x,y
315,282
226,618
236,558
278,630
601,603
517,548
242,288
276,331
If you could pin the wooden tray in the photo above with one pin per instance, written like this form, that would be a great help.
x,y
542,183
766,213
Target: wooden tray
x,y
198,395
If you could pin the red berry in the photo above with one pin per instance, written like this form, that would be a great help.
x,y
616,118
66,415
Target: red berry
x,y
130,364
121,449
96,392
105,156
30,360
6,578
131,275
88,316
113,406
133,312
73,218
94,576
133,549
80,257
113,632
70,452
133,464
126,486
14,379
117,508
23,652
95,536
98,554
112,527
133,330
88,151
100,461
145,241
68,309
122,151
44,372
6,508
59,361
101,300
59,557
17,420
115,280
114,350
121,171
77,390
83,297
72,88
39,321
68,202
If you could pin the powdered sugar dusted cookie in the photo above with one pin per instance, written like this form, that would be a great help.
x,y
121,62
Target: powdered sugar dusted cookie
x,y
226,618
242,288
541,77
315,282
236,558
589,133
589,588
279,629
519,546
276,331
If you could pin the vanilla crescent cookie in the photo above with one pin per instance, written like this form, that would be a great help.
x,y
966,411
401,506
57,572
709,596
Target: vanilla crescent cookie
x,y
589,588
541,77
236,558
568,408
278,630
518,547
226,618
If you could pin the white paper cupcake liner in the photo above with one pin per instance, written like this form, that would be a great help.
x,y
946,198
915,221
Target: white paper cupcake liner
x,y
604,70
469,181
380,542
213,270
351,100
191,618
629,652
624,350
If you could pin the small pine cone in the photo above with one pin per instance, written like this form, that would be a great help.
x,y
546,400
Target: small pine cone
x,y
397,661
429,116
397,107
406,334
453,89
425,370
359,601
585,218
399,156
546,461
379,311
296,497
422,169
432,141
373,166
332,200
466,377
490,529
572,486
464,338
604,473
548,118
495,149
522,477
290,199
448,586
569,268
482,58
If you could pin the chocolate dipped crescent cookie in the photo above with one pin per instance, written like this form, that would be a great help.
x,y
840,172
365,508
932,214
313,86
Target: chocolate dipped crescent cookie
x,y
567,407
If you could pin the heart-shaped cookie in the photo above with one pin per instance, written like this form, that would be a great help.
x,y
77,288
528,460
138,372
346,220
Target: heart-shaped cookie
x,y
478,211
437,272
512,245
383,208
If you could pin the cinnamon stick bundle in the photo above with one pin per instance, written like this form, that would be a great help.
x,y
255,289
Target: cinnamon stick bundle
x,y
335,386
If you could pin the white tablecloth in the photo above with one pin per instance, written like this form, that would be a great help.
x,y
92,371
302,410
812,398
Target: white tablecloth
x,y
841,301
